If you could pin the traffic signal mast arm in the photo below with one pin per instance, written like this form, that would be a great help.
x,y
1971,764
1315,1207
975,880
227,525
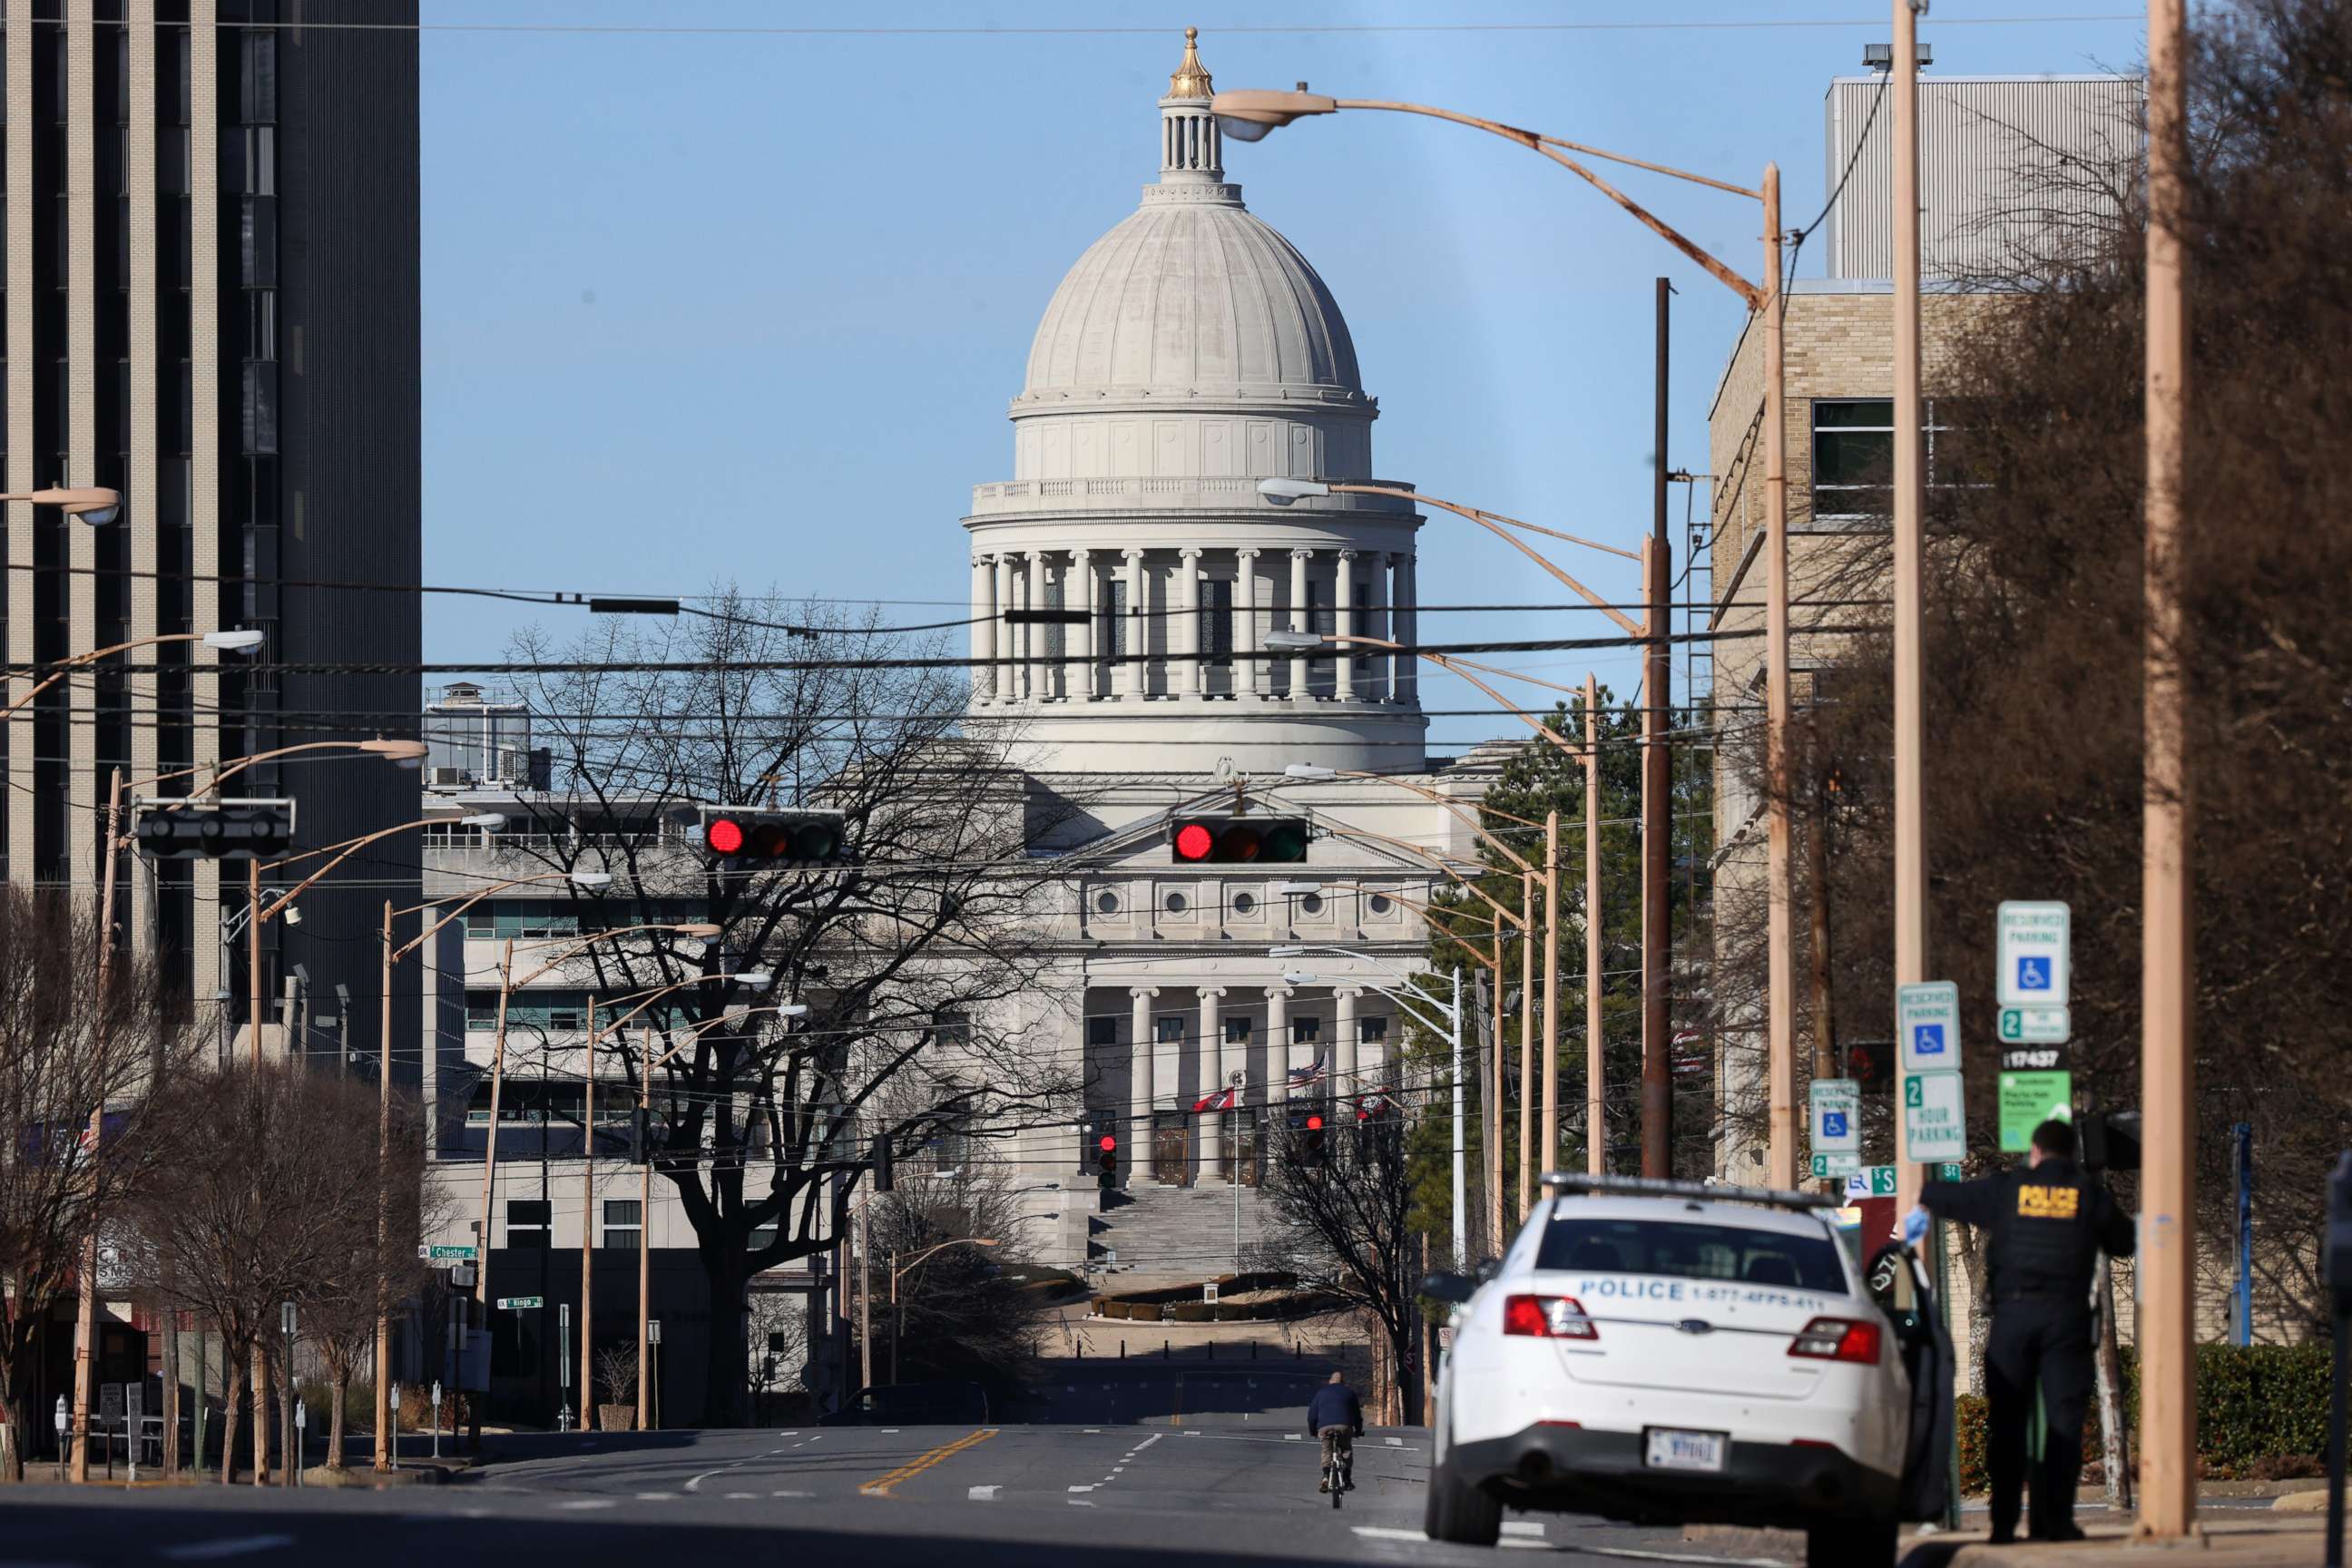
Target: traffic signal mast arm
x,y
392,751
1452,807
1366,834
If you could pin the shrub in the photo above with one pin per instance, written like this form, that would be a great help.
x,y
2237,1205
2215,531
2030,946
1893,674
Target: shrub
x,y
1188,1311
1114,1308
1147,1312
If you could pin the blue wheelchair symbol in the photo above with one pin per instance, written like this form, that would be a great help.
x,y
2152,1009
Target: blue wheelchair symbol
x,y
1926,1039
2032,974
1832,1123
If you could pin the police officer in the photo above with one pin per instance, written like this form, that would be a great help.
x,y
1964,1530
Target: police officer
x,y
2048,1224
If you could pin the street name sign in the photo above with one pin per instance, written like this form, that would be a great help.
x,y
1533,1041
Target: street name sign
x,y
2035,1025
1935,1116
2033,966
1927,1026
520,1303
438,1254
1878,1181
2030,1099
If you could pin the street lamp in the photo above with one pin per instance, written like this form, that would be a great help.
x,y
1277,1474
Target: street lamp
x,y
1249,114
912,1264
93,504
1452,1011
592,879
757,982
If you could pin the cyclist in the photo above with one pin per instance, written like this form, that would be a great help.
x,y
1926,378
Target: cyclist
x,y
1337,1417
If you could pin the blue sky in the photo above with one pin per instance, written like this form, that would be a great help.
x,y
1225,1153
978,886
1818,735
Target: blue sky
x,y
701,306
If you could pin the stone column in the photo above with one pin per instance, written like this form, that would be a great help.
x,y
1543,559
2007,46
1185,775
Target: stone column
x,y
1250,674
1408,625
1039,678
1138,1086
983,629
1138,629
1212,1057
1376,618
1343,599
1008,640
1343,1042
1195,678
1080,636
1277,1042
1299,618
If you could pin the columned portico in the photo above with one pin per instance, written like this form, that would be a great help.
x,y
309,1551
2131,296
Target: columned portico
x,y
1138,1057
1344,1029
1210,1051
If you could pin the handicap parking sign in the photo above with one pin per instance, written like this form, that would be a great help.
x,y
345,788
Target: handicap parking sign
x,y
1927,1040
1833,1123
2032,974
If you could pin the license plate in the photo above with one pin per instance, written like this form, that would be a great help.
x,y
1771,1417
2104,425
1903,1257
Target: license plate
x,y
1673,1450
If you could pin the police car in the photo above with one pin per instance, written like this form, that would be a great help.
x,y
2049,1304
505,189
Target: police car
x,y
1680,1351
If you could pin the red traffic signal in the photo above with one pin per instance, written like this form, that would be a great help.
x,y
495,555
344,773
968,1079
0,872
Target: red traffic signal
x,y
1315,1124
1239,841
1108,1143
795,838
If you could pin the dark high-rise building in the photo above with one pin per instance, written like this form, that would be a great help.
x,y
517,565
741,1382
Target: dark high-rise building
x,y
212,305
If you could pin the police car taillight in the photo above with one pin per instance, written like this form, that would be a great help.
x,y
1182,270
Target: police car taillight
x,y
1547,1318
1837,1338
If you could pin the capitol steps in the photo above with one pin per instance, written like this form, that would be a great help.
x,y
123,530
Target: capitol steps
x,y
1163,1234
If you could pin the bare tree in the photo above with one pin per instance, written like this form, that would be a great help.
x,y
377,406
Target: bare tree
x,y
1343,1224
960,1311
266,1203
66,1051
913,959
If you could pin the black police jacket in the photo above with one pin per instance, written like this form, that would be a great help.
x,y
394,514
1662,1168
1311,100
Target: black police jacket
x,y
2047,1226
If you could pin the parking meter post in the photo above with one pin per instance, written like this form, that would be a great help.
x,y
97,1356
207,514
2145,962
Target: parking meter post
x,y
63,1420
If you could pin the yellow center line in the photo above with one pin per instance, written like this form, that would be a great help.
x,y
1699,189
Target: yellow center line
x,y
880,1485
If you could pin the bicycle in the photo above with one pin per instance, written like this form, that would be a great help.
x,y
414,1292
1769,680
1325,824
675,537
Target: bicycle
x,y
1334,1479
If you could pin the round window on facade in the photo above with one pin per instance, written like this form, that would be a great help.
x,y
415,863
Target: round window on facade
x,y
1176,903
1244,903
1381,904
1107,903
1311,904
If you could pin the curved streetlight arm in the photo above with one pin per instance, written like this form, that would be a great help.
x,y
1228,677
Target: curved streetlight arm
x,y
1536,141
689,927
1426,910
81,661
650,998
1495,524
342,852
1453,667
469,901
1410,847
220,773
783,1009
909,1266
1424,1020
1452,808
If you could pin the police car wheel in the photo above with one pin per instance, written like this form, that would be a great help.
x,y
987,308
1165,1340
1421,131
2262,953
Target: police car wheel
x,y
1850,1544
1457,1512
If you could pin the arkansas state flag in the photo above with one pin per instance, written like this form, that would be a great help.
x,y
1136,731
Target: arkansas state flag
x,y
1222,1099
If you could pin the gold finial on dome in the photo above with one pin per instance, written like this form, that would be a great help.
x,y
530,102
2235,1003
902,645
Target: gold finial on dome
x,y
1191,78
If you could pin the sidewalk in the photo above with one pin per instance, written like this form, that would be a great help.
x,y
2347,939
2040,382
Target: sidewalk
x,y
2289,1539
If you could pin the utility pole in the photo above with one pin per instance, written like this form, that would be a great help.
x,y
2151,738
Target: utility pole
x,y
1817,880
383,1444
1596,1116
2167,955
1781,985
1526,1039
490,1144
1910,565
86,1286
253,955
865,1299
1657,804
1461,1213
1551,1149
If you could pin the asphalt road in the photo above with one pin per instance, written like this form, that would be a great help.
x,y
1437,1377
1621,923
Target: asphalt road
x,y
875,1497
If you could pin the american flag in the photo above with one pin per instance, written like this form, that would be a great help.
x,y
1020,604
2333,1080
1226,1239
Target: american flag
x,y
1373,1104
1221,1099
1306,1077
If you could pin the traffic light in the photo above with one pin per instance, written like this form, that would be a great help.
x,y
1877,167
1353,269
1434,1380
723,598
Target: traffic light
x,y
751,835
1871,1063
885,1173
1307,1137
1238,840
1107,1162
212,829
2110,1141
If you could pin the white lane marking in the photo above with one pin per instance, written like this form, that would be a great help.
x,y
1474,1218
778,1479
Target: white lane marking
x,y
578,1504
1382,1532
1522,1527
793,1433
1079,1503
1095,1430
227,1546
743,1497
981,1494
1082,1488
1118,1470
892,1430
1292,1437
665,1497
792,1494
1393,1442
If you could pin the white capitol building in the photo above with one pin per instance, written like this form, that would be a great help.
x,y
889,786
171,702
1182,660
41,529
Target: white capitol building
x,y
1190,353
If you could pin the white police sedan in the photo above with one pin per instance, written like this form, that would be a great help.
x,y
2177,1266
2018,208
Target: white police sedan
x,y
1679,1352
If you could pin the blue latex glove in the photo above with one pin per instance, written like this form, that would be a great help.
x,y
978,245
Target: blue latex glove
x,y
1915,1227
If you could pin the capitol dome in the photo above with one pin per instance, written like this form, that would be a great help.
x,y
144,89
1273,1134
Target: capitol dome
x,y
1192,296
1190,353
